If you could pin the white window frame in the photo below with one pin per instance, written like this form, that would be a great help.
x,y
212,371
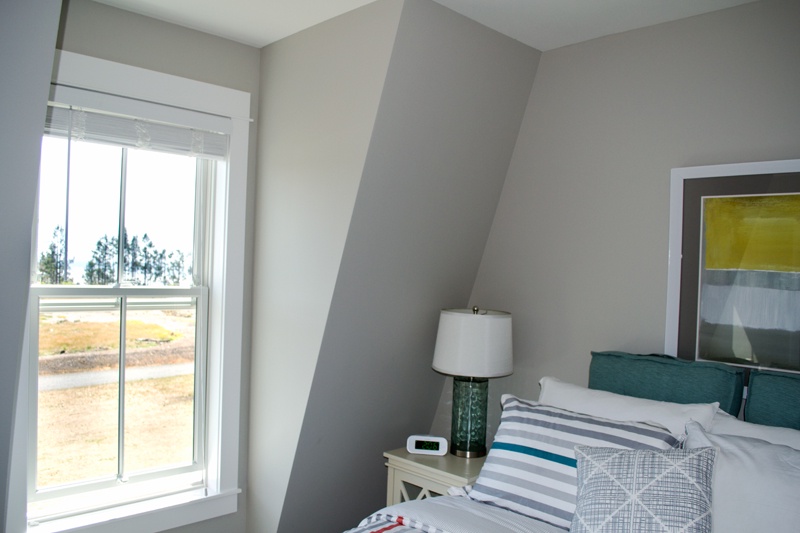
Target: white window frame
x,y
74,73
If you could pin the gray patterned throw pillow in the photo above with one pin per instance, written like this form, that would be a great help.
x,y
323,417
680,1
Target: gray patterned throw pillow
x,y
643,491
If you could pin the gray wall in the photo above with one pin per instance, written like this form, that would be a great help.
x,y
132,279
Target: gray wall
x,y
320,91
108,33
578,249
27,44
448,116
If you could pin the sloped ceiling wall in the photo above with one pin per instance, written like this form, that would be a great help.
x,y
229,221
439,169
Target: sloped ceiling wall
x,y
320,92
27,40
445,129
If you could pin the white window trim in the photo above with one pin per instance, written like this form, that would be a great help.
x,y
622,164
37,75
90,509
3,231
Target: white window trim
x,y
226,300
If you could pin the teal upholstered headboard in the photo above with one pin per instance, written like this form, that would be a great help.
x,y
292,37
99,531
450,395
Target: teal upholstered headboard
x,y
773,399
667,379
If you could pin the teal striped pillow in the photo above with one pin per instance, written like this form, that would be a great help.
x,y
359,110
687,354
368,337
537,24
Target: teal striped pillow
x,y
531,467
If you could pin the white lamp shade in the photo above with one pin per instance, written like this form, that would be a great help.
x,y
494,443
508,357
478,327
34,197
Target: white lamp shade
x,y
474,345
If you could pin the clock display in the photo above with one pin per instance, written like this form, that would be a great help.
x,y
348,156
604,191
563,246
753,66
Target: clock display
x,y
429,445
426,445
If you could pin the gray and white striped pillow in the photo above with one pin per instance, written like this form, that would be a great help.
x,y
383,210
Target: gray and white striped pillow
x,y
531,467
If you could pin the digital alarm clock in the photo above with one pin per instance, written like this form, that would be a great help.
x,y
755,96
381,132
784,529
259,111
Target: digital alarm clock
x,y
426,445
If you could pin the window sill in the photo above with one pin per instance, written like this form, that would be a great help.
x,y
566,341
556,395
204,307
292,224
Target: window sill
x,y
153,515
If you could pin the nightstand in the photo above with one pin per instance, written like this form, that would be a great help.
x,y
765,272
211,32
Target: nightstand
x,y
416,477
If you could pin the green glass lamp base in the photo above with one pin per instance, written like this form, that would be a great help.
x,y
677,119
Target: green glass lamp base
x,y
468,430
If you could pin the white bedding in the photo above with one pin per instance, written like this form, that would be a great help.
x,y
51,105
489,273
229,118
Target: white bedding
x,y
450,514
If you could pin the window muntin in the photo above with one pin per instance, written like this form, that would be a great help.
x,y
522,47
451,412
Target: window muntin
x,y
138,429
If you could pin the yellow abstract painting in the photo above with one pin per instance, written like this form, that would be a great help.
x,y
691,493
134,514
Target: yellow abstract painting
x,y
752,232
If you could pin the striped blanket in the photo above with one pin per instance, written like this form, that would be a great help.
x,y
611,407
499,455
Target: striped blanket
x,y
450,514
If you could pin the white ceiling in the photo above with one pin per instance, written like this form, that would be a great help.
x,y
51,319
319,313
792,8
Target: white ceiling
x,y
542,24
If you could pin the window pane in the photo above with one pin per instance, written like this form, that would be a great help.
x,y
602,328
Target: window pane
x,y
78,392
52,210
159,383
159,218
94,188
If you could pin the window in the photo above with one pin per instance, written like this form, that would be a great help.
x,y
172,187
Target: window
x,y
117,330
135,318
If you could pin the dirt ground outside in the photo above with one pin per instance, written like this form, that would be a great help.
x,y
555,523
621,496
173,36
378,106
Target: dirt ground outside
x,y
178,350
77,427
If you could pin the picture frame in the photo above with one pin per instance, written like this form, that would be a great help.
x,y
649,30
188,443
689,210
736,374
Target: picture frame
x,y
691,297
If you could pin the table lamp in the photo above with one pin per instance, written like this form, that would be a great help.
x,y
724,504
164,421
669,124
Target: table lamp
x,y
472,345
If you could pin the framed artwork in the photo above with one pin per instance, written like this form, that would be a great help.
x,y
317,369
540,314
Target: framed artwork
x,y
733,290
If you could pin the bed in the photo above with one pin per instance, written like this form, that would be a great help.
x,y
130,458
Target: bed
x,y
652,444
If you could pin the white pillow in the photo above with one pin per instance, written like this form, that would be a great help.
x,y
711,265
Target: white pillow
x,y
725,424
755,483
672,416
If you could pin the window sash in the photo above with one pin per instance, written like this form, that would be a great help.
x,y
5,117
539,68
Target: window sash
x,y
205,175
111,492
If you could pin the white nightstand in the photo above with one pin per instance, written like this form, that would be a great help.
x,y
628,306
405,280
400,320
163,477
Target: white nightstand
x,y
415,477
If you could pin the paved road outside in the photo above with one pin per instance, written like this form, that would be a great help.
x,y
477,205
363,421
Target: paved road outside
x,y
101,377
